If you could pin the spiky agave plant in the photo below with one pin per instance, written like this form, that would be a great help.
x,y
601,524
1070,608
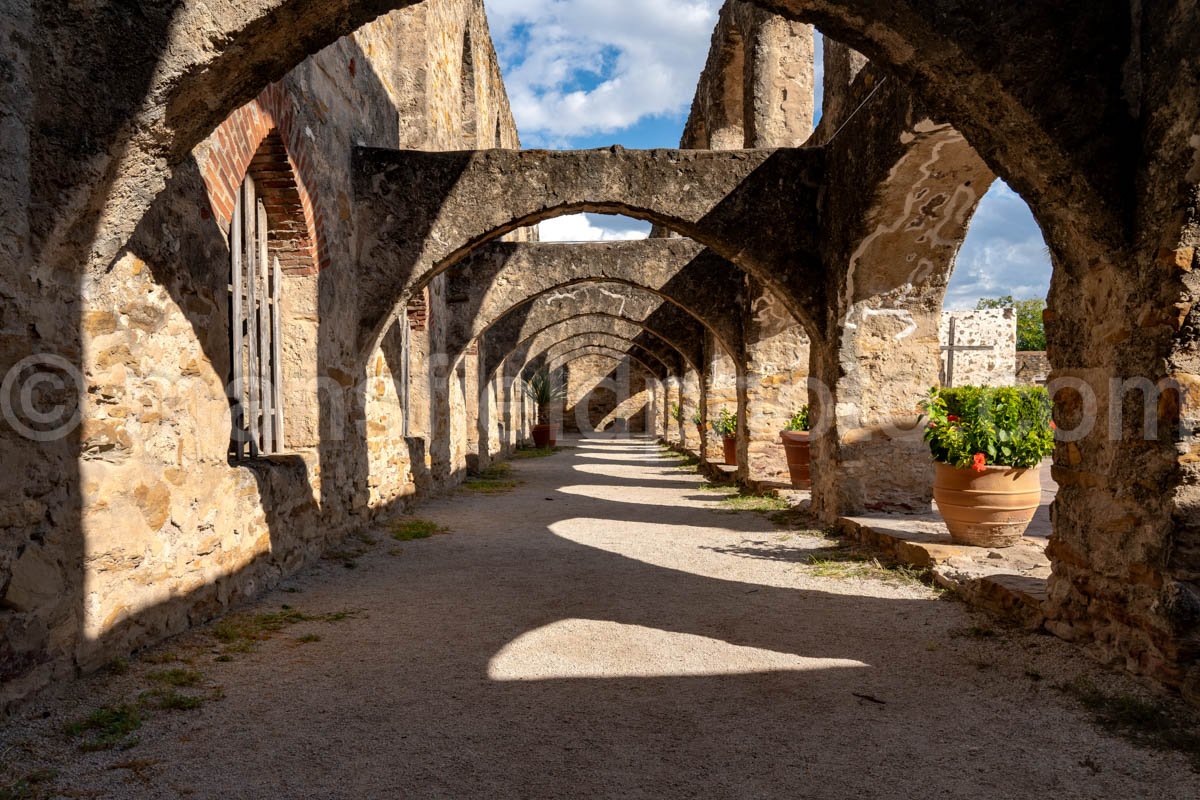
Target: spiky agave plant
x,y
543,388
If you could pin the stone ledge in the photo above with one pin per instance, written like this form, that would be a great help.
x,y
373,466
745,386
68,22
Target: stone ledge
x,y
1009,582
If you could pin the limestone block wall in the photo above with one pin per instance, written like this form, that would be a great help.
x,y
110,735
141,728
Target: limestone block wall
x,y
1033,368
722,394
777,353
601,389
993,329
151,527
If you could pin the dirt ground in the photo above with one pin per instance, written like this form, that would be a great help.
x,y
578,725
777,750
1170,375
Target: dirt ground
x,y
610,627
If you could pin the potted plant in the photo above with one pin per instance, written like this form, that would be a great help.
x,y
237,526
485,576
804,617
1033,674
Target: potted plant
x,y
796,446
677,413
698,421
988,445
726,425
544,389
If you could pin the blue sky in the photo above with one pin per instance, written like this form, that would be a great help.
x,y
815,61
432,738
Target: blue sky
x,y
593,73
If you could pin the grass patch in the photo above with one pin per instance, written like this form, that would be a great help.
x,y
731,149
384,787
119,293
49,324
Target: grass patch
x,y
764,503
177,677
171,700
535,452
163,657
106,728
1147,723
308,638
496,479
29,786
737,499
410,529
241,633
848,563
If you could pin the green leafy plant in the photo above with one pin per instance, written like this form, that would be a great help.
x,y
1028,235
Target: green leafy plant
x,y
677,412
978,427
1031,330
800,420
697,417
544,389
726,423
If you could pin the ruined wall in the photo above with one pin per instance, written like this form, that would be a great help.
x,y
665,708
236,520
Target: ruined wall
x,y
777,354
169,531
993,329
600,390
758,91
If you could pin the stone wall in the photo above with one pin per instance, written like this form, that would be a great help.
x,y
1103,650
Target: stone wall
x,y
166,531
992,329
1033,368
602,389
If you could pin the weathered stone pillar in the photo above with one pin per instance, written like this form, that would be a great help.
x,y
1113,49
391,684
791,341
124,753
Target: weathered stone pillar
x,y
780,79
842,65
777,356
1126,542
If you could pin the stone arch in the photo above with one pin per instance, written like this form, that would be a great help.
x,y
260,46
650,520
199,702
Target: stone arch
x,y
683,333
540,344
650,340
1030,130
755,208
260,140
500,277
603,384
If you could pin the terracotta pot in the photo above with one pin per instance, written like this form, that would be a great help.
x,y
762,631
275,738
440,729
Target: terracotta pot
x,y
730,445
990,508
700,431
796,446
543,436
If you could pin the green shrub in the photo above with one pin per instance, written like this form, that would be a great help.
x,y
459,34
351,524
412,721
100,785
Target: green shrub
x,y
725,423
800,420
677,412
973,426
697,418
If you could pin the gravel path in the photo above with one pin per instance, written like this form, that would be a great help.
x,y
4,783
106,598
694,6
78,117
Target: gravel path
x,y
607,629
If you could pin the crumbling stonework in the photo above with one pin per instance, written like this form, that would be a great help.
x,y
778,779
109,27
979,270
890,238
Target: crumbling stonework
x,y
164,530
994,330
135,524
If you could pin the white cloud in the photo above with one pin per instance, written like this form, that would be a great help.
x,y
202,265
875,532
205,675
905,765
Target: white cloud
x,y
590,228
1004,253
580,67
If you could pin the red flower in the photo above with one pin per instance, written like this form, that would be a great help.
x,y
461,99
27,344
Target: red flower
x,y
1053,427
979,463
951,418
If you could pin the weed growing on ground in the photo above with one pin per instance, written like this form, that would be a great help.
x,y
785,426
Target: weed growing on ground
x,y
106,728
240,633
177,677
171,700
30,786
1149,723
308,638
410,529
764,503
496,479
844,563
535,452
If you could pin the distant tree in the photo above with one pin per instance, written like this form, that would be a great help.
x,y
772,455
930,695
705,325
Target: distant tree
x,y
1031,330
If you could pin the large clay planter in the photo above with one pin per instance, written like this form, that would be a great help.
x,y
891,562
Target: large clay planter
x,y
729,443
543,436
796,446
990,508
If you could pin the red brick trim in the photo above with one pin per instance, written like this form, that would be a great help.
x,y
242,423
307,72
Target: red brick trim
x,y
262,139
